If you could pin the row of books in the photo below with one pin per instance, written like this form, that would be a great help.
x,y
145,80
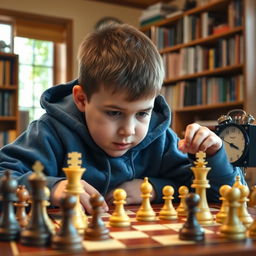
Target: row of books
x,y
6,103
166,36
156,12
192,27
5,73
204,91
7,137
196,59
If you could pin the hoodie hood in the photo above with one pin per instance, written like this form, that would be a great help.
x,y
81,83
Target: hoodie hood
x,y
58,102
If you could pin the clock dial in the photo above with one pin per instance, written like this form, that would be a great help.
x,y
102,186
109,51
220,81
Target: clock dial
x,y
234,142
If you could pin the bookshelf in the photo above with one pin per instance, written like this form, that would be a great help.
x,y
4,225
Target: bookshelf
x,y
8,97
209,54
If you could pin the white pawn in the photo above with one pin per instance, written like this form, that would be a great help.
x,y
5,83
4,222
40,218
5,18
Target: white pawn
x,y
168,212
145,212
243,213
119,218
222,214
252,228
233,228
182,208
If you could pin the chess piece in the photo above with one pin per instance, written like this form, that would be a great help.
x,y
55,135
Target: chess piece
x,y
252,227
96,229
168,212
119,218
233,229
252,202
146,212
74,173
191,229
21,215
237,182
45,204
182,208
243,213
222,214
67,238
37,232
9,226
200,183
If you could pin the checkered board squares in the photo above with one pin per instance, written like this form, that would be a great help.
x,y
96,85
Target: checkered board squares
x,y
145,235
139,234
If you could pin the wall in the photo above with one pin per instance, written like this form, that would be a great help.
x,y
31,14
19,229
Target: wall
x,y
84,14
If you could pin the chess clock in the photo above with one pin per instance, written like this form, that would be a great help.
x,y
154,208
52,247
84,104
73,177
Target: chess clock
x,y
239,137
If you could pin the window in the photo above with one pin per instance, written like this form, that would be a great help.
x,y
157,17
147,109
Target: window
x,y
6,37
36,59
44,45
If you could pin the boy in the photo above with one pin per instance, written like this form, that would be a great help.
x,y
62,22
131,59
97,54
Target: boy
x,y
114,116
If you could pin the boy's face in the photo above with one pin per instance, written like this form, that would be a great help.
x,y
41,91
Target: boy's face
x,y
115,124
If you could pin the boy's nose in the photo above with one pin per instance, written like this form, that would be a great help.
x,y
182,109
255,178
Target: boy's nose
x,y
127,129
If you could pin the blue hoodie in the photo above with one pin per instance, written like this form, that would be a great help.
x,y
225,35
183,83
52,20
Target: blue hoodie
x,y
62,129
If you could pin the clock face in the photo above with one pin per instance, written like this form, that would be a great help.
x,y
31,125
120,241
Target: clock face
x,y
235,142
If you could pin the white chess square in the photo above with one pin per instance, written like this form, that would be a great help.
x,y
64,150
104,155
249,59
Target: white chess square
x,y
128,235
109,244
149,227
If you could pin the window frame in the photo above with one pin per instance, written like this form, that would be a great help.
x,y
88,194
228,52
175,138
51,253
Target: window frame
x,y
63,50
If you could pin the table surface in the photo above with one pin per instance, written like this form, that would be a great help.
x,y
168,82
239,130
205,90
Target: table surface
x,y
246,247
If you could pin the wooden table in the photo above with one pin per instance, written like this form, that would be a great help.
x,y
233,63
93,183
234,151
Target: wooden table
x,y
241,248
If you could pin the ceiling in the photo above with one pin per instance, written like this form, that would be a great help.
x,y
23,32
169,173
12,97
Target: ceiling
x,y
142,4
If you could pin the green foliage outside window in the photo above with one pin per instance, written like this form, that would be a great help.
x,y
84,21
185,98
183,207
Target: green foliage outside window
x,y
35,73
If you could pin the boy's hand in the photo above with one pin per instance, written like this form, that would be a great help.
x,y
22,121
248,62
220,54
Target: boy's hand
x,y
58,192
132,189
199,138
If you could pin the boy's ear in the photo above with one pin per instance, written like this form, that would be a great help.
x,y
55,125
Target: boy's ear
x,y
79,97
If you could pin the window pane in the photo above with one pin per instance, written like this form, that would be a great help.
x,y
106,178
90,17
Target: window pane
x,y
24,48
43,53
25,86
43,80
35,72
5,37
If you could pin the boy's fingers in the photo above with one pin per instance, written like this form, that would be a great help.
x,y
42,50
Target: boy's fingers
x,y
200,139
190,133
85,202
89,188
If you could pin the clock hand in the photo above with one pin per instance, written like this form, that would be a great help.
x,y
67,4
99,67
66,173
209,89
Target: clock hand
x,y
231,144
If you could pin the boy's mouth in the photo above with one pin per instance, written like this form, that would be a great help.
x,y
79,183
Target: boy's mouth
x,y
122,146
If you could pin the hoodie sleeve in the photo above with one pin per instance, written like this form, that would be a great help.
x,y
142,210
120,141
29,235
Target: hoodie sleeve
x,y
38,143
175,170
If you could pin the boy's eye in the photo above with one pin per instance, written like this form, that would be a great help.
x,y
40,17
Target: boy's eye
x,y
142,114
113,113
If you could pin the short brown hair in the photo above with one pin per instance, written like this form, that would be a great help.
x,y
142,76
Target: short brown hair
x,y
120,58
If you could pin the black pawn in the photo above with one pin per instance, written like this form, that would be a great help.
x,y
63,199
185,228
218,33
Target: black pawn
x,y
191,229
9,226
37,232
67,238
21,204
96,229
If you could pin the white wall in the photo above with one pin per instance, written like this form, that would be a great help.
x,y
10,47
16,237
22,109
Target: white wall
x,y
84,14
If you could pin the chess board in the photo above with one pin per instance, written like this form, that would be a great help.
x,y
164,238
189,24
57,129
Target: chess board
x,y
140,235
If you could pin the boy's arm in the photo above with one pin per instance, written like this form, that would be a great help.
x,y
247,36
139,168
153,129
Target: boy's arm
x,y
38,143
196,138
